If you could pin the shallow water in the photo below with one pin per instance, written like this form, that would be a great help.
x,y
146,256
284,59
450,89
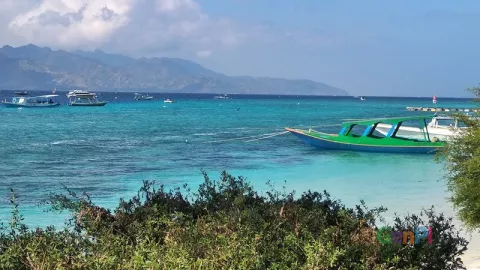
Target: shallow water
x,y
108,151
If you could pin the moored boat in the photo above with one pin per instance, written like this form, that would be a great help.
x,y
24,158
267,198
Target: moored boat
x,y
221,97
363,136
84,99
442,127
139,96
169,101
23,100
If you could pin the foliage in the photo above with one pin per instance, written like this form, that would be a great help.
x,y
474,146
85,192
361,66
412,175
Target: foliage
x,y
226,224
462,156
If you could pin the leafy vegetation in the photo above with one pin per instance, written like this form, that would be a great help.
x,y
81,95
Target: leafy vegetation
x,y
226,224
462,156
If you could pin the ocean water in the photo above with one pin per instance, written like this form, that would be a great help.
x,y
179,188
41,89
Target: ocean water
x,y
108,151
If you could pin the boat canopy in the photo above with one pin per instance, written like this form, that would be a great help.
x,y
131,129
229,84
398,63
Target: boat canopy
x,y
396,122
392,121
47,96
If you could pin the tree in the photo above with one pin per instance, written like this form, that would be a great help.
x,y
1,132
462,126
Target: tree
x,y
462,164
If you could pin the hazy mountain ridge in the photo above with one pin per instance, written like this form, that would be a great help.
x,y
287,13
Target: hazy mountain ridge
x,y
35,68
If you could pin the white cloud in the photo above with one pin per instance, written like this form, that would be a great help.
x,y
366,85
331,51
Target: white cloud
x,y
71,23
175,5
137,27
204,54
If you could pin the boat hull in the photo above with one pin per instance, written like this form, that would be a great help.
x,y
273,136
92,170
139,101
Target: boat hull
x,y
328,144
16,105
89,104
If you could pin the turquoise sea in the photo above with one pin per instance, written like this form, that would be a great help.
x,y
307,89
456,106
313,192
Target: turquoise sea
x,y
108,151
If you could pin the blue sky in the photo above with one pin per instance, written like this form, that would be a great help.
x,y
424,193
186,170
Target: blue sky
x,y
414,48
392,48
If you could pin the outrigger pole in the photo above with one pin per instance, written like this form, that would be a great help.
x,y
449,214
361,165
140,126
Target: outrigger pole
x,y
425,130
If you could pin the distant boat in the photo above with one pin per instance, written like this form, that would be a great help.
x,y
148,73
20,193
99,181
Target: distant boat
x,y
222,97
73,93
22,99
142,97
21,93
84,98
362,98
169,101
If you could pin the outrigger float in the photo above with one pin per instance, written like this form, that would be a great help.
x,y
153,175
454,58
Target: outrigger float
x,y
370,140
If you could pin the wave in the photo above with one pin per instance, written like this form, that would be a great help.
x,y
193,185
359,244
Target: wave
x,y
67,142
205,134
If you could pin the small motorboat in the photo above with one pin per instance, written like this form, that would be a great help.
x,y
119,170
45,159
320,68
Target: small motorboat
x,y
221,97
442,127
169,101
142,97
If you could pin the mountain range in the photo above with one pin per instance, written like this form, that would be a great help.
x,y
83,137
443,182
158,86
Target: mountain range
x,y
31,67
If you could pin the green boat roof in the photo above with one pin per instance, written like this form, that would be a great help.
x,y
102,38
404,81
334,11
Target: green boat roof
x,y
392,121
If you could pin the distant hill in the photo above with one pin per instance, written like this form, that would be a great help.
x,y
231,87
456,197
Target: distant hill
x,y
31,67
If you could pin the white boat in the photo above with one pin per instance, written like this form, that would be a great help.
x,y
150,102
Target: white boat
x,y
221,97
362,98
142,97
24,100
84,98
169,101
441,127
74,93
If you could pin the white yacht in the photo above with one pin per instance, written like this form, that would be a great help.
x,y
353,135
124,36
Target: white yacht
x,y
74,93
441,127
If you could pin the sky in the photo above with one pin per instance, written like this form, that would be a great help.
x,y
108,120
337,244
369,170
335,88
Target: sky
x,y
386,48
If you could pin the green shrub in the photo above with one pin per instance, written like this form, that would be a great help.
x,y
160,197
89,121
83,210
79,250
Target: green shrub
x,y
226,224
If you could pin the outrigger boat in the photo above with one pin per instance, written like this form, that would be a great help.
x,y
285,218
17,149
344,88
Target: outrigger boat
x,y
370,140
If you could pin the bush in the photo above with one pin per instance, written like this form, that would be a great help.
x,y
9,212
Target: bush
x,y
462,165
226,224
